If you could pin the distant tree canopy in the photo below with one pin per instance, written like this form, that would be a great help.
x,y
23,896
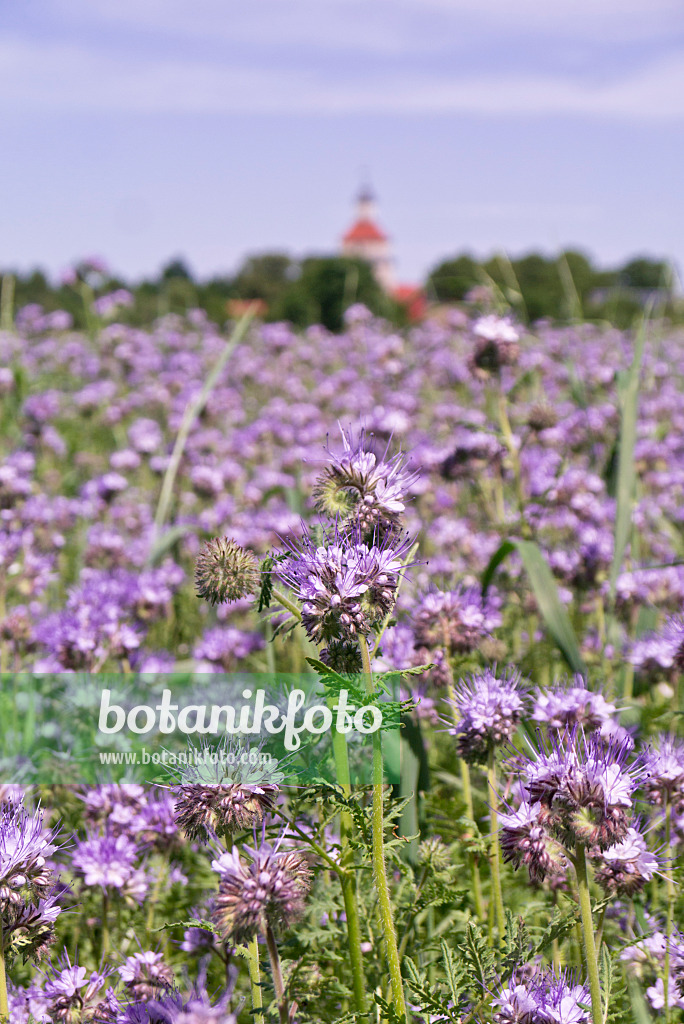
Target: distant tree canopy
x,y
318,289
558,288
326,286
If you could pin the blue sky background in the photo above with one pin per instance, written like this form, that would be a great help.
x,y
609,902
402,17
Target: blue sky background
x,y
142,129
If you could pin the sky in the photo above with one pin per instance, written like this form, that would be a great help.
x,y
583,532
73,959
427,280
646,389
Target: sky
x,y
141,130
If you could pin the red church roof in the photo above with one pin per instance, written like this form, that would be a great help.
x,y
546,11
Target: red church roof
x,y
364,231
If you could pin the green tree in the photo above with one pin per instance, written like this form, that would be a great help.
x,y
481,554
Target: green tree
x,y
451,280
326,287
176,268
265,276
645,273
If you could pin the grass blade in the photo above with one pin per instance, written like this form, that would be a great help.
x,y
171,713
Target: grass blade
x,y
626,472
191,413
555,617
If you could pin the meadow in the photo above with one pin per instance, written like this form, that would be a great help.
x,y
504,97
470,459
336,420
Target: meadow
x,y
477,525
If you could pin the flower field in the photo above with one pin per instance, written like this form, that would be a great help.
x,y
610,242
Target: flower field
x,y
475,527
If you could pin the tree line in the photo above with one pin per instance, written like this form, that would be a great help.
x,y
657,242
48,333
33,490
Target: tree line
x,y
318,289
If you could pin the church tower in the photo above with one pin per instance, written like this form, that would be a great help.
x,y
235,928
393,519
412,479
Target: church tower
x,y
365,240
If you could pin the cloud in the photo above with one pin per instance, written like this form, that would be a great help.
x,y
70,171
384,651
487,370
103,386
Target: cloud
x,y
383,26
69,77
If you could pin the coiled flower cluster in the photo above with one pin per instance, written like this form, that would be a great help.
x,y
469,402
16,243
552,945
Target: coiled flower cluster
x,y
265,892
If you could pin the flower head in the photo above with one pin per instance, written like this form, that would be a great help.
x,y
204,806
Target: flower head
x,y
525,841
25,846
360,490
345,585
584,786
626,867
225,572
265,891
546,998
488,708
145,975
455,620
664,764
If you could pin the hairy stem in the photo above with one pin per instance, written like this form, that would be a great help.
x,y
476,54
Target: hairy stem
x,y
494,849
378,855
468,801
255,981
580,861
279,597
105,924
4,1006
347,877
670,906
277,972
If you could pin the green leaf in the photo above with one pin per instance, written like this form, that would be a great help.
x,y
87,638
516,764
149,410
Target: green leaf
x,y
555,617
606,977
640,1011
454,973
166,541
628,389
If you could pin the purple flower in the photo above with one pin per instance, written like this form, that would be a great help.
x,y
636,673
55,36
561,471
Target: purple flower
x,y
584,785
660,651
525,841
345,586
267,891
144,974
547,998
488,709
664,765
107,861
455,620
626,867
25,846
362,490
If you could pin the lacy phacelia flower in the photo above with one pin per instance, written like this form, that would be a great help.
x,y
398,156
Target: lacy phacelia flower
x,y
626,867
664,764
547,998
345,586
357,489
525,841
24,847
497,344
455,620
566,706
73,994
488,709
206,811
267,891
107,861
661,651
584,786
225,572
145,975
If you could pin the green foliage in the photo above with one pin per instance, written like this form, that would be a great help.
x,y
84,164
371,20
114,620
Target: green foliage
x,y
326,286
452,280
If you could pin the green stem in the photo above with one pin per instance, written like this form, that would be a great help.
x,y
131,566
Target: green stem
x,y
347,876
4,1006
255,981
468,801
508,437
494,850
378,855
276,970
105,926
580,862
278,596
670,906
